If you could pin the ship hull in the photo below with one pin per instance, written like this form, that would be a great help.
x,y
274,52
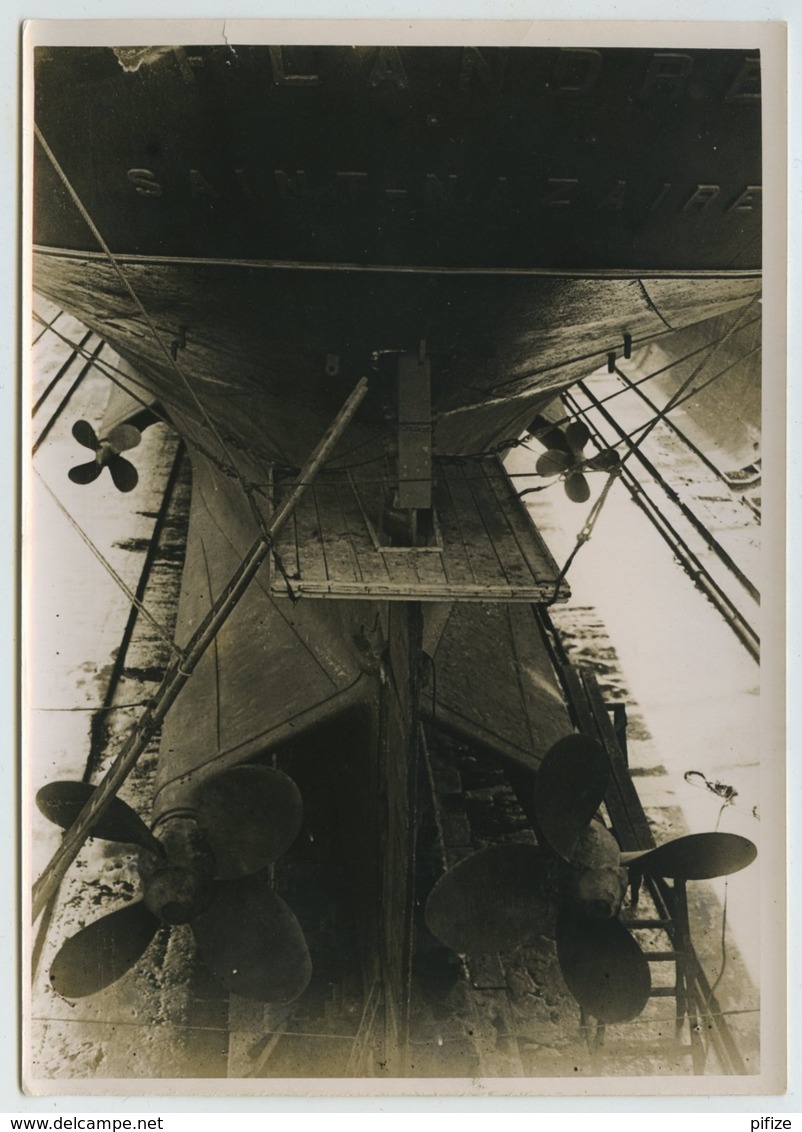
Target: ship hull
x,y
271,351
277,222
451,157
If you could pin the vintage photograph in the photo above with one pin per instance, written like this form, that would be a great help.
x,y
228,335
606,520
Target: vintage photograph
x,y
393,444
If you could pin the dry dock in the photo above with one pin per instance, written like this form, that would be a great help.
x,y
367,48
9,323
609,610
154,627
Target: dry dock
x,y
97,654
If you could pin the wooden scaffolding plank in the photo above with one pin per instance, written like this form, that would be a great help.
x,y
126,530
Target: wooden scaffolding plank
x,y
531,547
288,553
456,563
428,566
333,549
389,571
309,550
402,566
342,562
372,566
516,568
479,550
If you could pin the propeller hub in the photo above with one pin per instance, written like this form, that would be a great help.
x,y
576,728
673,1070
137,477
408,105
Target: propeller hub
x,y
179,884
599,893
176,895
104,453
596,883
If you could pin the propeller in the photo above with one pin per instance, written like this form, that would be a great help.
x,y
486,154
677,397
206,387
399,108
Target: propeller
x,y
565,457
200,866
107,455
507,895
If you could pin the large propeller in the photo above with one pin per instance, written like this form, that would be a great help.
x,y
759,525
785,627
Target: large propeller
x,y
200,866
107,455
565,457
504,896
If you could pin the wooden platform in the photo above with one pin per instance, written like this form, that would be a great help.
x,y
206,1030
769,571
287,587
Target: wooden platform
x,y
483,546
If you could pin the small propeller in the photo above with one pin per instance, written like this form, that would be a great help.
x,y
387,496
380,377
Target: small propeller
x,y
248,937
503,896
107,454
565,457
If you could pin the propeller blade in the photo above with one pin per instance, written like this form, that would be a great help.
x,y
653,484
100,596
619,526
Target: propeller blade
x,y
251,815
491,901
62,802
577,487
603,967
123,437
85,473
85,435
698,856
604,461
123,473
577,434
569,788
552,463
103,951
252,943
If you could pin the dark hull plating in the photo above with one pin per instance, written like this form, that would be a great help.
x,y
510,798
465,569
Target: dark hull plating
x,y
451,157
293,219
